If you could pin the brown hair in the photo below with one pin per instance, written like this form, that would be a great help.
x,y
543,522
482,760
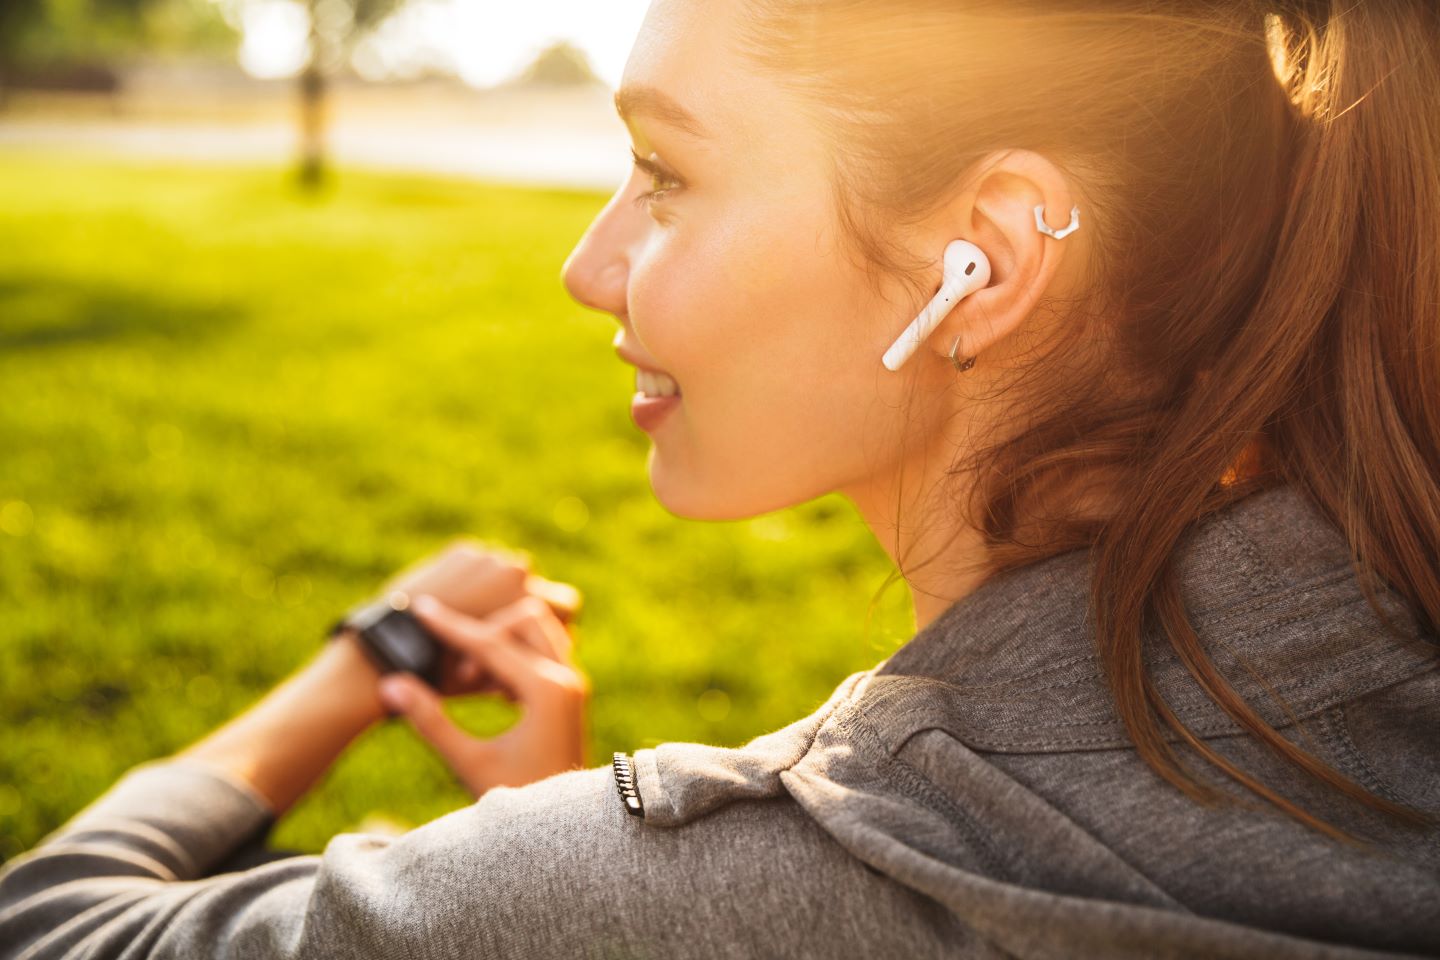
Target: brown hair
x,y
1260,184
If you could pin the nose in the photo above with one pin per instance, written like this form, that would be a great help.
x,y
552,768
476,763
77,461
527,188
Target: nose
x,y
597,271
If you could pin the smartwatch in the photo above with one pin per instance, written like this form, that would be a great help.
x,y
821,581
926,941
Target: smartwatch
x,y
393,638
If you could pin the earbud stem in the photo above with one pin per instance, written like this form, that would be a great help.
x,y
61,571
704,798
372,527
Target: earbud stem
x,y
922,326
966,270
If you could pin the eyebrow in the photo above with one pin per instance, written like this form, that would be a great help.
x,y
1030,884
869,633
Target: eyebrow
x,y
634,99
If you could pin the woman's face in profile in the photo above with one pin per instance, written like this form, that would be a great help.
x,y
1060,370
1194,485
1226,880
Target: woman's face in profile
x,y
733,281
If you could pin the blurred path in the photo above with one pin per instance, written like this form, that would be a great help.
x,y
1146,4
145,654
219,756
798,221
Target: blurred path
x,y
567,138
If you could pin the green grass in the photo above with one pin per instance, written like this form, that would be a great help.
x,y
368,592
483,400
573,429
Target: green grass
x,y
228,413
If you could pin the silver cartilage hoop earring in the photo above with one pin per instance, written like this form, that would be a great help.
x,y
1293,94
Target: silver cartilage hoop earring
x,y
959,365
1050,231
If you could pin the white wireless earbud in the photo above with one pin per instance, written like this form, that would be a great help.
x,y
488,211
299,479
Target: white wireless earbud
x,y
966,270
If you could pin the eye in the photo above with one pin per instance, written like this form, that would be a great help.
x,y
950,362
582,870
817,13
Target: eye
x,y
659,174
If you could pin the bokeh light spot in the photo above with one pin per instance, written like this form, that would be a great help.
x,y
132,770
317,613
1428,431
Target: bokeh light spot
x,y
292,589
713,705
571,514
16,518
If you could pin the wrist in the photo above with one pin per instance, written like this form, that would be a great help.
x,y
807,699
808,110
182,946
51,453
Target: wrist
x,y
285,742
343,674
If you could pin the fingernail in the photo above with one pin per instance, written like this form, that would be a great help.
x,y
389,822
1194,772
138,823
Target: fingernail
x,y
394,694
425,604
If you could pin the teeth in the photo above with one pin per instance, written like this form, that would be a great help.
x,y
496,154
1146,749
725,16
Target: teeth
x,y
655,384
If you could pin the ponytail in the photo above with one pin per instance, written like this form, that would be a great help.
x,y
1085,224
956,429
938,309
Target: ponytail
x,y
1367,83
1337,367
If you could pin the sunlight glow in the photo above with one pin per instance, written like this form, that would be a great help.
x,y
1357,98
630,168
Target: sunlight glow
x,y
482,41
274,38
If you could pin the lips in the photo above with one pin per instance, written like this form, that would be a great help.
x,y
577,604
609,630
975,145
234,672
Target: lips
x,y
635,360
650,412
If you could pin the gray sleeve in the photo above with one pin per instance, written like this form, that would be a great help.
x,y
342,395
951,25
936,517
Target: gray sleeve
x,y
126,876
556,868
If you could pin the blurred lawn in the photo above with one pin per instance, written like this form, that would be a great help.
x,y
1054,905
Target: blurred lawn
x,y
228,413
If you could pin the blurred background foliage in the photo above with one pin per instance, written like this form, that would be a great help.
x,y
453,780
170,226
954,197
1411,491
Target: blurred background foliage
x,y
59,42
229,413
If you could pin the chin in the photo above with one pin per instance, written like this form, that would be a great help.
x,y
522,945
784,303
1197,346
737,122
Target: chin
x,y
680,497
689,498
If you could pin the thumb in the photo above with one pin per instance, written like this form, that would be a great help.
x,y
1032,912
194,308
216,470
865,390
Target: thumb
x,y
406,694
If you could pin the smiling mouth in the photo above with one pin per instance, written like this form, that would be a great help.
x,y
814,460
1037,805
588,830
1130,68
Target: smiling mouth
x,y
652,383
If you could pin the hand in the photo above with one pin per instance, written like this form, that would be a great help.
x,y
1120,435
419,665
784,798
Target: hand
x,y
283,744
525,651
476,579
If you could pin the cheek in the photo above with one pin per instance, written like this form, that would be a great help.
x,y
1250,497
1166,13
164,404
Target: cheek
x,y
764,325
755,292
767,342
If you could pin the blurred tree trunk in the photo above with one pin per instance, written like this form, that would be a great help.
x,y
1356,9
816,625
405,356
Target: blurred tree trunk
x,y
335,25
13,20
313,85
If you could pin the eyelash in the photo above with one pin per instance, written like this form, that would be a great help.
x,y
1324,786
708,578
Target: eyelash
x,y
654,170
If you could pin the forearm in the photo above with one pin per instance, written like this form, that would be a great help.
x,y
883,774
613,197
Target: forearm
x,y
139,858
284,743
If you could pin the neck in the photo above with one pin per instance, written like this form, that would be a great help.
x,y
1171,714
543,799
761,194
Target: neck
x,y
914,513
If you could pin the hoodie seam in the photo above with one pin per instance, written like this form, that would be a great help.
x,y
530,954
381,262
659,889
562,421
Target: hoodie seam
x,y
650,778
1298,686
920,788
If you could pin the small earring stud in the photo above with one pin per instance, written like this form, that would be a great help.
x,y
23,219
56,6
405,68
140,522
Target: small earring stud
x,y
959,365
1050,231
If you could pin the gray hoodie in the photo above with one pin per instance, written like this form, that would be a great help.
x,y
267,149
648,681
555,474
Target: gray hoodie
x,y
973,795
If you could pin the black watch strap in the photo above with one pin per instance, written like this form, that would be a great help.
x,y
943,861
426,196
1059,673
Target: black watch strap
x,y
393,638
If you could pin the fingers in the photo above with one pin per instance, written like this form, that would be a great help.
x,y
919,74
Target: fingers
x,y
471,677
530,620
411,697
564,600
468,671
523,650
534,621
479,640
508,645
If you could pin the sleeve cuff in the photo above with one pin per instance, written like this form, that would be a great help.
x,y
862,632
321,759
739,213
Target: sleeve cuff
x,y
184,815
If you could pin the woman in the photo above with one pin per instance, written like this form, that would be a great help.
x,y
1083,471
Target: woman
x,y
1171,477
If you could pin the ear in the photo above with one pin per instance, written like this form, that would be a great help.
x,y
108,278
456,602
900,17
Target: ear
x,y
997,214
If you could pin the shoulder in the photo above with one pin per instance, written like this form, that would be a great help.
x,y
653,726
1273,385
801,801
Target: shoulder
x,y
559,868
1268,590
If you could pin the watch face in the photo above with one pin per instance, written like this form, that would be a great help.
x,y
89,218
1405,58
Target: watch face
x,y
407,645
